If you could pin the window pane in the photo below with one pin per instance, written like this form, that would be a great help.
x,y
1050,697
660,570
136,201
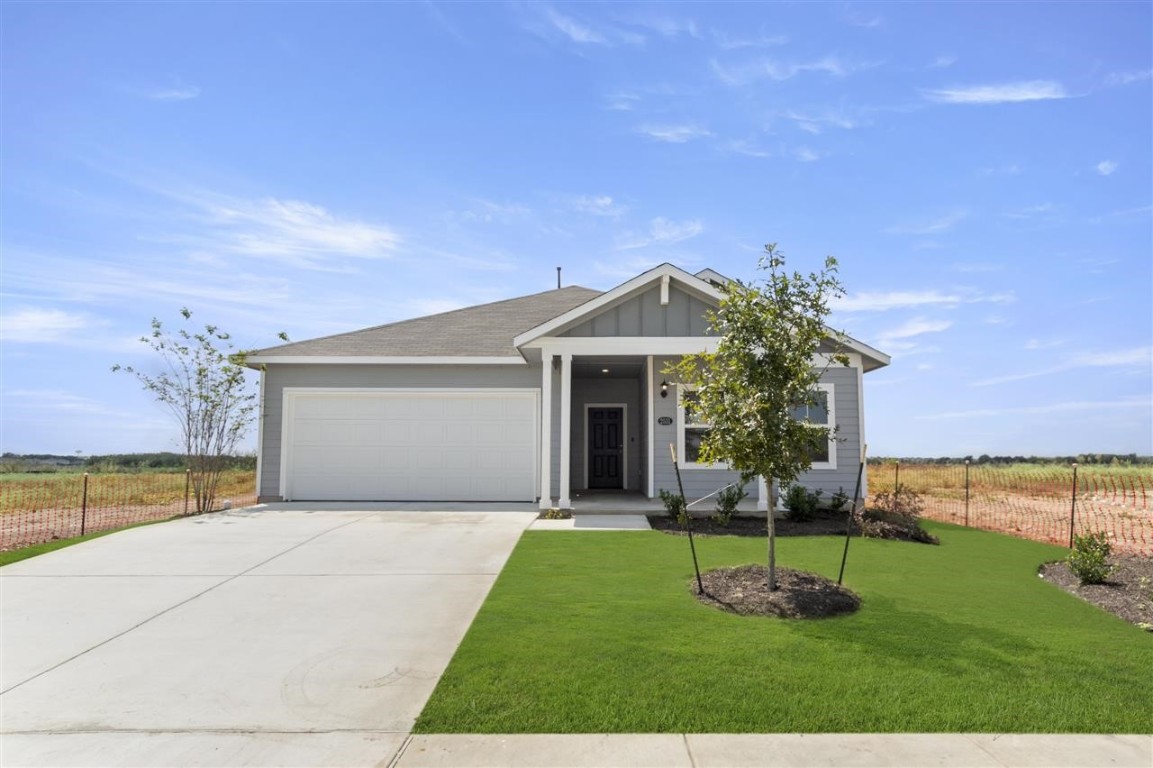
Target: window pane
x,y
819,410
693,439
690,401
819,453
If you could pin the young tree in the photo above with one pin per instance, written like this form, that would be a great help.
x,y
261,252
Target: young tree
x,y
763,370
202,382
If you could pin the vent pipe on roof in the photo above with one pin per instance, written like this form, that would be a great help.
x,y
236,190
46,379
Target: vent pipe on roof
x,y
558,278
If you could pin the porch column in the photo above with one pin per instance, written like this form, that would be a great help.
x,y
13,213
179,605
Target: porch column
x,y
565,430
762,495
546,431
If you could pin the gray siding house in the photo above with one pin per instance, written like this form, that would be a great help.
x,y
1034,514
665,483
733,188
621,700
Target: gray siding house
x,y
543,398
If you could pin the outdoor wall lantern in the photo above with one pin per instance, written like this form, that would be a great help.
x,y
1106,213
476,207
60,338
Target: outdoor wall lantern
x,y
664,389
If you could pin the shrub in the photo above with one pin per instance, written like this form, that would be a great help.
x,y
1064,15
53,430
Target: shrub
x,y
1089,559
727,502
894,515
838,500
555,514
801,503
675,506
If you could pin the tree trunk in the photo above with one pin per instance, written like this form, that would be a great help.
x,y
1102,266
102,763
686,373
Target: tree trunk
x,y
772,536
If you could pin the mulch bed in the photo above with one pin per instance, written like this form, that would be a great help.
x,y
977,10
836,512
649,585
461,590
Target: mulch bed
x,y
824,523
744,590
1127,594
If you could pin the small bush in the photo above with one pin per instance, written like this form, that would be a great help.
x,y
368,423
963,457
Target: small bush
x,y
555,514
838,500
675,506
801,504
727,502
1089,559
894,515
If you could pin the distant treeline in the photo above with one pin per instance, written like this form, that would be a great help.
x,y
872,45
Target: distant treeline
x,y
1084,459
112,462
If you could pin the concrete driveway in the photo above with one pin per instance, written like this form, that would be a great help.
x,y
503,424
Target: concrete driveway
x,y
283,635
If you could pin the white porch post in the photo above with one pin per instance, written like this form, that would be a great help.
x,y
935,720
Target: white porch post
x,y
546,431
762,495
565,430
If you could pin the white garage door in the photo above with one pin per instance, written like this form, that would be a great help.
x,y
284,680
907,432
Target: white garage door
x,y
442,445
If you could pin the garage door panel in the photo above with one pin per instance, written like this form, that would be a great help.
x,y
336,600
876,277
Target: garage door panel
x,y
437,446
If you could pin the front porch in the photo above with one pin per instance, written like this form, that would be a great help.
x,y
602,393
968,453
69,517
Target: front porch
x,y
635,503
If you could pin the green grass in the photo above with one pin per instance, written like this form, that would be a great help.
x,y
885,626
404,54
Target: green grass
x,y
598,632
7,557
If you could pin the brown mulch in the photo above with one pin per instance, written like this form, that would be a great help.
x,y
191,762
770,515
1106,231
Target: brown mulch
x,y
744,590
824,523
1124,595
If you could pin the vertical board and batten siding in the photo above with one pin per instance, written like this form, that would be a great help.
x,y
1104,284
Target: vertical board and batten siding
x,y
607,392
643,315
277,377
701,481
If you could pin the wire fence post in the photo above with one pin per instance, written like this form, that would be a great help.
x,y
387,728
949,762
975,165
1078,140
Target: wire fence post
x,y
966,493
187,481
897,478
1073,507
84,507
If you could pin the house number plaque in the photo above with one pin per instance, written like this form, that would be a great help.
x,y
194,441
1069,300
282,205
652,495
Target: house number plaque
x,y
664,421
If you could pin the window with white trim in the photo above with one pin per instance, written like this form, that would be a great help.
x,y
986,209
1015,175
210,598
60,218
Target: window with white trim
x,y
691,430
821,412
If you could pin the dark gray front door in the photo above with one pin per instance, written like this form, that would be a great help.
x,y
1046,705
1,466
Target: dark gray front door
x,y
606,447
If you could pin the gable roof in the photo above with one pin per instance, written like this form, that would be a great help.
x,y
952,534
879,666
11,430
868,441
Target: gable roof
x,y
624,291
484,331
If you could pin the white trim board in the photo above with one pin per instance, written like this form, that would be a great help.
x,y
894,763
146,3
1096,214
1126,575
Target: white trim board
x,y
258,360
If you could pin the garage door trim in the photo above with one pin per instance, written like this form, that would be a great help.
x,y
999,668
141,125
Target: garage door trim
x,y
292,394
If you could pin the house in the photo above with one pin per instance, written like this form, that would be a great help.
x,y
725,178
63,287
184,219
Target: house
x,y
533,399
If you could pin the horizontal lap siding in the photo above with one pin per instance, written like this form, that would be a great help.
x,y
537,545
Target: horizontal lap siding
x,y
844,381
277,377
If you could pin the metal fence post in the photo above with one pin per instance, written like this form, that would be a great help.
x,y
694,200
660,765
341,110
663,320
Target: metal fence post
x,y
966,493
897,478
187,480
1073,508
84,507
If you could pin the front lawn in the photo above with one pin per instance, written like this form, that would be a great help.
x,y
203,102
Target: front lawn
x,y
598,633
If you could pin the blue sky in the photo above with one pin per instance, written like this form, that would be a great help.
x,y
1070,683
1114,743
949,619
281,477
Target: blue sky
x,y
982,171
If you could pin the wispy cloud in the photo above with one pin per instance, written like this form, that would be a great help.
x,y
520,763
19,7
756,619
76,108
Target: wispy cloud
x,y
1033,344
297,232
1125,78
622,102
1106,167
581,32
573,29
897,339
885,301
807,154
62,401
943,61
1005,93
36,325
599,205
858,18
1071,406
754,71
1137,358
674,134
931,227
661,231
180,93
729,43
1030,211
746,148
667,26
818,120
1012,169
489,211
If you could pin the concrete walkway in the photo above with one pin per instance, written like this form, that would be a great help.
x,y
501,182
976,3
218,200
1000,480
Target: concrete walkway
x,y
272,636
776,751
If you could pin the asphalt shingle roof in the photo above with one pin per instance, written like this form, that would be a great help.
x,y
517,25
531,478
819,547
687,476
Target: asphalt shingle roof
x,y
486,330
